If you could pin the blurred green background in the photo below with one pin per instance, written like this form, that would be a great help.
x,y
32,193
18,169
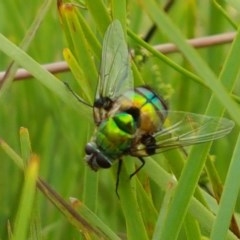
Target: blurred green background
x,y
58,133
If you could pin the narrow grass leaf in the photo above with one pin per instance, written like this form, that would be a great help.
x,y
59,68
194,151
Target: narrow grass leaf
x,y
21,226
93,219
47,79
191,227
99,13
163,179
224,13
81,48
163,212
85,90
165,59
229,197
134,222
146,205
82,223
90,191
26,149
12,154
119,12
91,37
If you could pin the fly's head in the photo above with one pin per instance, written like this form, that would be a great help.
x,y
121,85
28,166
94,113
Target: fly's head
x,y
95,158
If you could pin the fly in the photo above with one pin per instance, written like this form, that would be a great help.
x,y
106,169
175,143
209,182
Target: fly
x,y
136,121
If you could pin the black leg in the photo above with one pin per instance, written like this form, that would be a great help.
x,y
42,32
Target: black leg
x,y
138,169
118,174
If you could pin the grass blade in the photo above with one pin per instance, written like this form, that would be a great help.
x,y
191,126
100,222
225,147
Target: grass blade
x,y
40,74
21,226
229,197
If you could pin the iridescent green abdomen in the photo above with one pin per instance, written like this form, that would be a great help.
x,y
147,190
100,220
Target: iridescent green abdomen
x,y
152,109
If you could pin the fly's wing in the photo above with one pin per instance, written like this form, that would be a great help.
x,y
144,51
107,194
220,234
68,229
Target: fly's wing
x,y
183,129
115,72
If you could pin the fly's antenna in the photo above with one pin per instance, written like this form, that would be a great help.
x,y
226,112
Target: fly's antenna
x,y
76,96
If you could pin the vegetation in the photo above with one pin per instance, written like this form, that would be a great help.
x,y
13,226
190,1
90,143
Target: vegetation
x,y
44,129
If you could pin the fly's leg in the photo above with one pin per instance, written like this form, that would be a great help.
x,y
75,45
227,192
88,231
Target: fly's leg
x,y
138,169
131,175
118,174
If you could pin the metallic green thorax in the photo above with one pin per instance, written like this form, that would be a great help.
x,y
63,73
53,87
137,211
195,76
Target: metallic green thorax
x,y
115,135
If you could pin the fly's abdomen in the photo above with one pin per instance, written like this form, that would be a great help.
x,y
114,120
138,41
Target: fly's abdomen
x,y
152,109
115,135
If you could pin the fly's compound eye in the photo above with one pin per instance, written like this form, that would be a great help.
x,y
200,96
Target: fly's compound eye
x,y
95,158
89,149
103,161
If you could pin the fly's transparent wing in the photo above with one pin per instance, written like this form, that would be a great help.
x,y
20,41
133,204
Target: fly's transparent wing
x,y
115,72
183,129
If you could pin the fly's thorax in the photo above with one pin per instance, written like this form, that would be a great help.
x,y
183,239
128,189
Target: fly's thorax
x,y
112,139
115,134
152,109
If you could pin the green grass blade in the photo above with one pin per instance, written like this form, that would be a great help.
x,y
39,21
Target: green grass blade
x,y
91,37
163,211
119,12
21,226
26,148
89,224
168,183
229,197
94,220
79,75
90,191
81,48
41,74
134,222
99,13
220,8
12,154
191,227
167,60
